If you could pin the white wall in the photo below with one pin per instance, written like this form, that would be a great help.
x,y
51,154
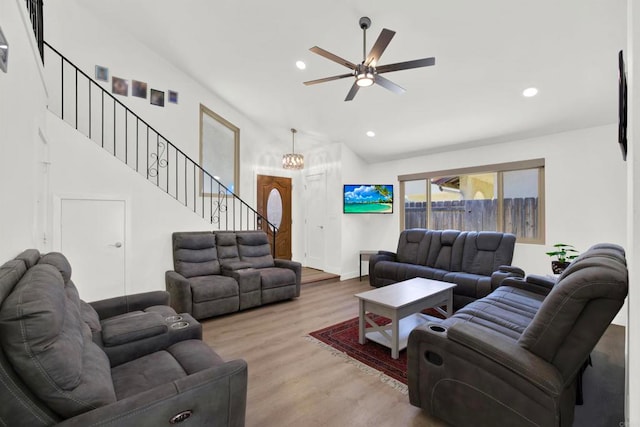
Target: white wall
x,y
22,108
86,41
585,186
154,215
633,215
585,193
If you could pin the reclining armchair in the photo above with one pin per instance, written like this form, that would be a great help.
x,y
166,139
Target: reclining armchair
x,y
515,356
64,362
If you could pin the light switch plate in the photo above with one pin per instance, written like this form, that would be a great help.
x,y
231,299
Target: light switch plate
x,y
4,52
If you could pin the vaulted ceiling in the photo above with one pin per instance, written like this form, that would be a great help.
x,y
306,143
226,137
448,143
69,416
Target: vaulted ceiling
x,y
487,53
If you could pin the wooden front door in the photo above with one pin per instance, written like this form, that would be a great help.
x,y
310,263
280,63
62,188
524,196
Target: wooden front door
x,y
274,203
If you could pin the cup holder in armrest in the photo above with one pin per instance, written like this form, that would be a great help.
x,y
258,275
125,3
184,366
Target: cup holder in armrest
x,y
437,328
433,358
179,325
172,319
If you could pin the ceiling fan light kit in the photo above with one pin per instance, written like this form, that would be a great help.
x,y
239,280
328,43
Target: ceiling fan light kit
x,y
367,73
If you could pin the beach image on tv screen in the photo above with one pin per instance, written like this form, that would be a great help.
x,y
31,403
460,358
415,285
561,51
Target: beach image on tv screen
x,y
368,198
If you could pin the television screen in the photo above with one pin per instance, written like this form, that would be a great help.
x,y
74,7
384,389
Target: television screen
x,y
368,199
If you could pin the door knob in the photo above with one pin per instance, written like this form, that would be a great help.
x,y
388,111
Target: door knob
x,y
117,245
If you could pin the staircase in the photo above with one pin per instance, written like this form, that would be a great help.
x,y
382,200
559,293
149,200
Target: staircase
x,y
85,105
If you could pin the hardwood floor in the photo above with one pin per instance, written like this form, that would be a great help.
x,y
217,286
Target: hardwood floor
x,y
295,382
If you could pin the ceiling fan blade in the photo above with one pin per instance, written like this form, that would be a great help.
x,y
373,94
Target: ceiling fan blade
x,y
328,79
332,57
378,48
417,63
388,84
352,92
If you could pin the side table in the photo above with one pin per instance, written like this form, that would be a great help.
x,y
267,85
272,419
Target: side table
x,y
364,256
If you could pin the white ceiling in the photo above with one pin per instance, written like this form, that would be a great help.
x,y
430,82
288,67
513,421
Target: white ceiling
x,y
487,53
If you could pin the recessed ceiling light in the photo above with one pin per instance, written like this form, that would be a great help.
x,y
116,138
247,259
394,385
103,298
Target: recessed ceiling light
x,y
529,92
371,133
301,65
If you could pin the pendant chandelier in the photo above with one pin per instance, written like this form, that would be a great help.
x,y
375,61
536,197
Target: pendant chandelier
x,y
293,160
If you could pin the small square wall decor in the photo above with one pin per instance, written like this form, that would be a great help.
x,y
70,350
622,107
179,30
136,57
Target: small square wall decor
x,y
120,86
157,97
173,97
138,89
102,73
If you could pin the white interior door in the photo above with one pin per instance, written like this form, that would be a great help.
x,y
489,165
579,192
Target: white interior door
x,y
92,237
315,202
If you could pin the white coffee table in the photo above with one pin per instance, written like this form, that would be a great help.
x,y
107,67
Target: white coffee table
x,y
401,302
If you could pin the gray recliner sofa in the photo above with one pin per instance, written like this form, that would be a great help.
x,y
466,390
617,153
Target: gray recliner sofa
x,y
114,362
515,357
475,261
223,272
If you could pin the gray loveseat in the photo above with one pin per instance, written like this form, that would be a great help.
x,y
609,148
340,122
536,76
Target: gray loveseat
x,y
515,357
223,271
475,261
118,362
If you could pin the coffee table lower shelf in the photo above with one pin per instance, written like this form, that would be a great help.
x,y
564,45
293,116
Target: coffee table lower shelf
x,y
405,326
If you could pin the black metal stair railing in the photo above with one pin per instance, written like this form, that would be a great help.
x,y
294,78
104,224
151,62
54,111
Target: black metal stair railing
x,y
85,105
34,7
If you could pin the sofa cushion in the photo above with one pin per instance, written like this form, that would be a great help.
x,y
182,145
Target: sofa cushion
x,y
595,284
227,247
50,347
275,277
253,247
468,284
413,245
486,251
445,251
60,262
90,316
162,367
195,254
207,288
10,273
506,310
30,257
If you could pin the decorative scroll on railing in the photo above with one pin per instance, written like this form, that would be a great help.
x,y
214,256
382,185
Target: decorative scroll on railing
x,y
84,104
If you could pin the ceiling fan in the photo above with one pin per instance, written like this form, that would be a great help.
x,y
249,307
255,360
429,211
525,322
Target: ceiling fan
x,y
367,72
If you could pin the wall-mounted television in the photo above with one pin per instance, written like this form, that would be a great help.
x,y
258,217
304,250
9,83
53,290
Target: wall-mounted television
x,y
367,199
622,106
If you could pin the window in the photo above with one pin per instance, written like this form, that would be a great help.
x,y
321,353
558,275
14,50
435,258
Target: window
x,y
219,153
506,197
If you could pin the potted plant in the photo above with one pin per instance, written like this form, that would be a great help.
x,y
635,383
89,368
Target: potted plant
x,y
564,254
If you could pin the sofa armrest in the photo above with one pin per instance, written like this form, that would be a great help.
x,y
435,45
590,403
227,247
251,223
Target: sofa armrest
x,y
532,283
374,259
123,330
291,265
179,290
217,395
248,278
124,304
391,255
503,272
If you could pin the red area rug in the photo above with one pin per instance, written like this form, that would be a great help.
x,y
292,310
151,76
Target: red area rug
x,y
344,338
